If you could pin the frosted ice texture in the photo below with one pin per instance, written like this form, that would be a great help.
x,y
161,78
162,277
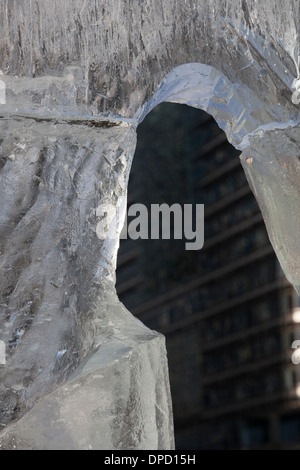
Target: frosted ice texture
x,y
76,79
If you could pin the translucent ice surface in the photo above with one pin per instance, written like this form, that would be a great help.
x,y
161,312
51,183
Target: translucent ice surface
x,y
76,78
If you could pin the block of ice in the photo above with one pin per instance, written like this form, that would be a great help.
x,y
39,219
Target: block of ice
x,y
75,79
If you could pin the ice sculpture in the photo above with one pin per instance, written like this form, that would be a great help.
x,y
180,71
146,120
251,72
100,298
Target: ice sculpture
x,y
76,79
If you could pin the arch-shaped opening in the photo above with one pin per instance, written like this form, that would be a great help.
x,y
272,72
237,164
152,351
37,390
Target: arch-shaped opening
x,y
2,353
247,125
221,308
244,119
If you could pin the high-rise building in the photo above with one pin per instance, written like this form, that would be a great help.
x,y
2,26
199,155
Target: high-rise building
x,y
228,313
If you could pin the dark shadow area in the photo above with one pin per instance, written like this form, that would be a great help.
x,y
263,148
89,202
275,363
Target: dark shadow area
x,y
227,311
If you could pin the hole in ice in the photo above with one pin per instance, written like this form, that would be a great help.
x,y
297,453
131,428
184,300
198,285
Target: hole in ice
x,y
219,307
